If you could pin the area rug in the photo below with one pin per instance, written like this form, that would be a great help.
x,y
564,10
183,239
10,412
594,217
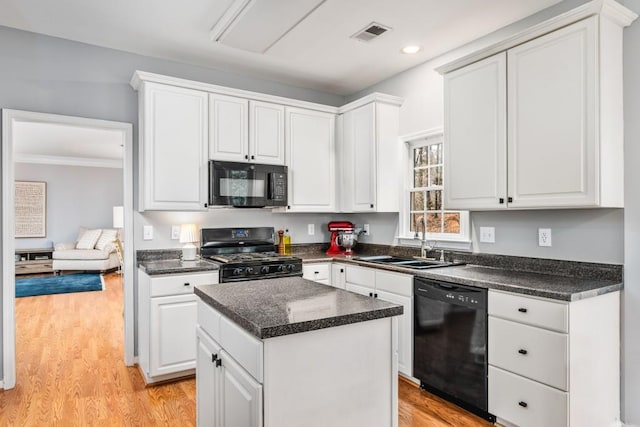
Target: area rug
x,y
58,284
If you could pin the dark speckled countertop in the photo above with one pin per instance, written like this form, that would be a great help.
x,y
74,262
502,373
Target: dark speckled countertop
x,y
289,305
176,266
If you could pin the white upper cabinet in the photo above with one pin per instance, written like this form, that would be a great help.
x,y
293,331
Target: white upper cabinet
x,y
244,130
172,148
266,133
475,174
539,125
228,136
370,155
310,154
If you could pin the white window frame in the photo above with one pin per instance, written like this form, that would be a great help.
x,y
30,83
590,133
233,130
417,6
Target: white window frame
x,y
460,241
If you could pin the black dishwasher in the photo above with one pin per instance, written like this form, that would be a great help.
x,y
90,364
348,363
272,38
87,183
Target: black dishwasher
x,y
450,342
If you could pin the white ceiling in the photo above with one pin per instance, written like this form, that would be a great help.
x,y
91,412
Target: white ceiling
x,y
62,144
307,42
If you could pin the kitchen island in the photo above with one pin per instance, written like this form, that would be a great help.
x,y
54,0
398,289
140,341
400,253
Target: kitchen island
x,y
291,352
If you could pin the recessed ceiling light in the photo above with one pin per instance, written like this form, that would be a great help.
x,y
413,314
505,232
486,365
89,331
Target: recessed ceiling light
x,y
410,50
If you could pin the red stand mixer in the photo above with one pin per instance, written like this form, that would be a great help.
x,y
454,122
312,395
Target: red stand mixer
x,y
343,233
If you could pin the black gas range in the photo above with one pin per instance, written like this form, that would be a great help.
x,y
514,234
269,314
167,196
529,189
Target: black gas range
x,y
247,254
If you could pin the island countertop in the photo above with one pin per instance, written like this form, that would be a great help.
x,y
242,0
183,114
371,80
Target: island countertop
x,y
274,307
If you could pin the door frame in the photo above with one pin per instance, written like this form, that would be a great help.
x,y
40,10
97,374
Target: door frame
x,y
7,288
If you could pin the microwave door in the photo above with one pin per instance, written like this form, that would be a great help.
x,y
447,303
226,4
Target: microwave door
x,y
238,185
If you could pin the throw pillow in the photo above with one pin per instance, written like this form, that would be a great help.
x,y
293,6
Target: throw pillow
x,y
107,236
89,239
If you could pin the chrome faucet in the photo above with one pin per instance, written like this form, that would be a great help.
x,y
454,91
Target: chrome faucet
x,y
424,247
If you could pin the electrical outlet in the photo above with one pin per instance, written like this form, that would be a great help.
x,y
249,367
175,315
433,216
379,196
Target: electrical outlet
x,y
311,229
544,237
487,234
365,229
147,232
175,232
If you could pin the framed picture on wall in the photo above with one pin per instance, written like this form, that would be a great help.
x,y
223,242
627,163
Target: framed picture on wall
x,y
31,209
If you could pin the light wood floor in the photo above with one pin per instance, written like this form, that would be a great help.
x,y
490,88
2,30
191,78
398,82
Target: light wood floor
x,y
70,372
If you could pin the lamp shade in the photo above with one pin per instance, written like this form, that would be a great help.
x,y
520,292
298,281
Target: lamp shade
x,y
188,233
118,217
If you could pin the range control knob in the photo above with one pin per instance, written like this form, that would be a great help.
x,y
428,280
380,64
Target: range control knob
x,y
264,269
291,267
237,271
249,270
282,267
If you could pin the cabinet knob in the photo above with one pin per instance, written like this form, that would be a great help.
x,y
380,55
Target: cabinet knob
x,y
246,156
206,205
342,270
509,199
523,404
218,363
214,357
501,200
522,351
370,294
375,295
187,284
288,207
371,205
253,157
522,310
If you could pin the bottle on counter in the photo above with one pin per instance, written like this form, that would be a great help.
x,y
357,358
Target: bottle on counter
x,y
281,242
287,242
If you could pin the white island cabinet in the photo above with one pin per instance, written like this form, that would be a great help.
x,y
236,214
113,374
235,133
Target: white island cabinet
x,y
343,375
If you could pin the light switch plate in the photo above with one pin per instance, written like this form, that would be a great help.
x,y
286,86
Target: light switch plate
x,y
544,237
487,234
147,232
365,229
311,229
175,232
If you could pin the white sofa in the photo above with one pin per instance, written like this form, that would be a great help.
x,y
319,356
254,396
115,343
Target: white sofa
x,y
67,256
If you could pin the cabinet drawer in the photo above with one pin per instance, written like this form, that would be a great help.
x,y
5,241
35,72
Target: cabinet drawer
x,y
361,276
243,347
209,320
316,272
180,283
535,353
401,284
524,402
532,311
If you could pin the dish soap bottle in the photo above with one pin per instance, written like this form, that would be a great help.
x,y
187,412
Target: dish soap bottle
x,y
286,238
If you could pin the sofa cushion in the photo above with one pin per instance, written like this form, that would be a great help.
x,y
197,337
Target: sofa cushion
x,y
89,239
81,254
107,237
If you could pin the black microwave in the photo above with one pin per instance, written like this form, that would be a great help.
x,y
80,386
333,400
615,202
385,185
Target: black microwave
x,y
247,185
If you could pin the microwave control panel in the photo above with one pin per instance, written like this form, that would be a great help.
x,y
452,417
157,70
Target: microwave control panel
x,y
278,186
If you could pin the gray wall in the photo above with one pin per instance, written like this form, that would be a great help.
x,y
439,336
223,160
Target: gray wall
x,y
51,75
76,196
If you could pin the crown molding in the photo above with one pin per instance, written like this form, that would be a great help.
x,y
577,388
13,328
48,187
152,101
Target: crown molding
x,y
374,97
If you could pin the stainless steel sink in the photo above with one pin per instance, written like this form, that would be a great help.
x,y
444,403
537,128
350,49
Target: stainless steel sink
x,y
406,262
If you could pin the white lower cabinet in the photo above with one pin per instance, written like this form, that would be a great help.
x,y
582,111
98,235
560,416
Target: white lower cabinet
x,y
338,276
318,272
554,363
167,311
392,287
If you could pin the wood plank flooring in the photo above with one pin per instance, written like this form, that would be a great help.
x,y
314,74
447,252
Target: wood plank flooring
x,y
70,372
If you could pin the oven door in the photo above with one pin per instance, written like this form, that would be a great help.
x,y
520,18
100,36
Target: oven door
x,y
237,184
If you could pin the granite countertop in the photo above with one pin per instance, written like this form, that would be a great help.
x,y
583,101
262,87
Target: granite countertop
x,y
553,286
176,266
289,305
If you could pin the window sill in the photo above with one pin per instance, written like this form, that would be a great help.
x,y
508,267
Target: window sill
x,y
458,245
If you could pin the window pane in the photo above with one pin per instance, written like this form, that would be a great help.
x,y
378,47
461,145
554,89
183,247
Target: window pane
x,y
420,178
434,222
436,176
434,200
452,222
420,156
435,154
415,220
417,201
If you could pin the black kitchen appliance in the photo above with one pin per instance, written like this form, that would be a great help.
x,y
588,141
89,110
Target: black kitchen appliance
x,y
247,254
247,185
450,343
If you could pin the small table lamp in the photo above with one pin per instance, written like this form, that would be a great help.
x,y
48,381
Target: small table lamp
x,y
188,235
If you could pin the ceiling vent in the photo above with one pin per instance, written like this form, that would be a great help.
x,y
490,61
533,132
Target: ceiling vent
x,y
370,32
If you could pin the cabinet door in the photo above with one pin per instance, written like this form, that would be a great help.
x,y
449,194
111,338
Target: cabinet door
x,y
266,133
405,330
207,382
338,276
228,118
359,151
552,119
173,148
241,396
475,135
173,334
310,154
